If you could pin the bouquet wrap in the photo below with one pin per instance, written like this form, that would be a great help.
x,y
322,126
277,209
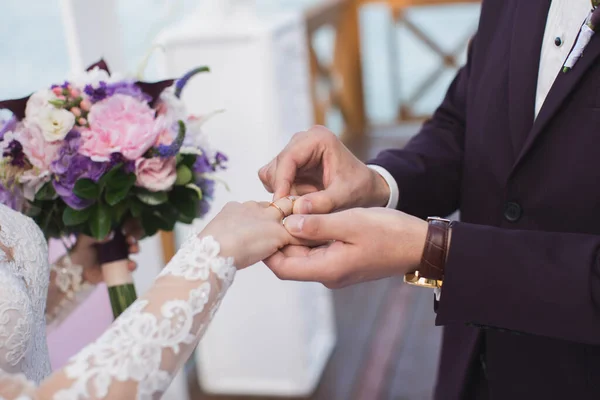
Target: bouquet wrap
x,y
113,258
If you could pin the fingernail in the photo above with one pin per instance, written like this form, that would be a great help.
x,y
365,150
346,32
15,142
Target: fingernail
x,y
294,223
306,207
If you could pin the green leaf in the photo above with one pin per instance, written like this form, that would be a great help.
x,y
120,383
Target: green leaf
x,y
187,159
162,222
117,190
136,208
149,223
184,175
86,189
57,103
120,179
107,177
196,190
186,202
47,192
185,219
120,210
73,217
169,214
100,221
33,210
152,198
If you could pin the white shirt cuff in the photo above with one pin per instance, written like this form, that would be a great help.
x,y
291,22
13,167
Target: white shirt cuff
x,y
389,179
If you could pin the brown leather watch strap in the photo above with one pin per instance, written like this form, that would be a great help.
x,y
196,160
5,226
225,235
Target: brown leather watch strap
x,y
433,260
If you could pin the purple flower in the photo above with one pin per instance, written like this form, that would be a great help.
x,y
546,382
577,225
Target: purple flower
x,y
105,90
118,158
202,167
207,186
220,160
170,150
203,164
71,166
11,198
15,152
180,84
65,85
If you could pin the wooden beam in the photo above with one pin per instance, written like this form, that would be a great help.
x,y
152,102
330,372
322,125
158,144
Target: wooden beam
x,y
167,240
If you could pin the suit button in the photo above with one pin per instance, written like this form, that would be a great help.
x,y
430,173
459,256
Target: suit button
x,y
512,212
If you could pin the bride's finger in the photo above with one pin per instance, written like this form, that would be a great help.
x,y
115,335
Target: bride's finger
x,y
282,208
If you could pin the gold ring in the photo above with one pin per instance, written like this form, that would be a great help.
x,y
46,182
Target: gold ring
x,y
272,204
293,200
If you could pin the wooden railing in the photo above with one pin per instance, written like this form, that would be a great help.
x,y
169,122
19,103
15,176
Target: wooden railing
x,y
342,79
344,76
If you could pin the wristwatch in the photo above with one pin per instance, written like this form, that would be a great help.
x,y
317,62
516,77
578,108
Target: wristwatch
x,y
430,273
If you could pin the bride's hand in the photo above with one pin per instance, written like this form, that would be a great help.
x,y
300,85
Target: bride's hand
x,y
251,232
85,253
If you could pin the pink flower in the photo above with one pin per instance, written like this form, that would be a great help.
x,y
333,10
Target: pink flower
x,y
39,152
76,111
40,155
156,174
85,105
119,124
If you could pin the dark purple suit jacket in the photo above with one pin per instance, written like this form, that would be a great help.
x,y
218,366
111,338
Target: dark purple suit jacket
x,y
522,281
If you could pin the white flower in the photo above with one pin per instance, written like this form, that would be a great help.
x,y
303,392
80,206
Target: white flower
x,y
172,106
55,123
38,102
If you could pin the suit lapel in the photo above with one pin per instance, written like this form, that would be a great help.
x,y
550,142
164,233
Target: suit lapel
x,y
526,44
563,85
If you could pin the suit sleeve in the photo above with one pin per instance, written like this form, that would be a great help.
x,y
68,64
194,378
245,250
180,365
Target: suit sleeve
x,y
532,282
428,169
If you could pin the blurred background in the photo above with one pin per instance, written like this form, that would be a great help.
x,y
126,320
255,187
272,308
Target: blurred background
x,y
374,70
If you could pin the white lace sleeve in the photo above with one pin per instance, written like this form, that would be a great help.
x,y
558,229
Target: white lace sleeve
x,y
137,357
16,320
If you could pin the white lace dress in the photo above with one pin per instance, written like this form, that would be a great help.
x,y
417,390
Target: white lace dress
x,y
24,276
137,357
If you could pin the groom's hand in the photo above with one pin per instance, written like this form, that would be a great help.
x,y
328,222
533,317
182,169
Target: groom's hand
x,y
365,245
318,167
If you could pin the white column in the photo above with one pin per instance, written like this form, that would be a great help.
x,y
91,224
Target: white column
x,y
92,31
269,337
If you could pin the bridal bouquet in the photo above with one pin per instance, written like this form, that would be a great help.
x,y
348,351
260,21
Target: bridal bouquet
x,y
93,152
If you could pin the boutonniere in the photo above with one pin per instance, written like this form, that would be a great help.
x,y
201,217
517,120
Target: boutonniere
x,y
588,29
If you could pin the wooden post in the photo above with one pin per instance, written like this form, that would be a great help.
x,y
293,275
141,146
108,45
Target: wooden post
x,y
344,75
348,66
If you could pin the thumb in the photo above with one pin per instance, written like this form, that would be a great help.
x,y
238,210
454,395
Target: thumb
x,y
337,226
321,202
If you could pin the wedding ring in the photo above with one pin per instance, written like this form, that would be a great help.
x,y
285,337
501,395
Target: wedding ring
x,y
293,200
272,204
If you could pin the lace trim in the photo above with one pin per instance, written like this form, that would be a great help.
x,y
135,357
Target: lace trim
x,y
133,349
69,280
